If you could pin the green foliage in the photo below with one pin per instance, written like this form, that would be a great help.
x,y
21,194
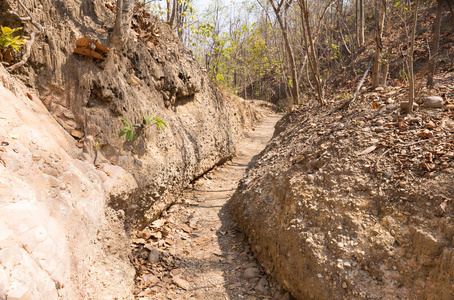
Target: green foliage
x,y
8,40
403,75
335,50
153,120
359,71
129,130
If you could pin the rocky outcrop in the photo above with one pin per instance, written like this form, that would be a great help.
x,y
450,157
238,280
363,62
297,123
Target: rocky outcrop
x,y
334,216
71,190
58,237
87,97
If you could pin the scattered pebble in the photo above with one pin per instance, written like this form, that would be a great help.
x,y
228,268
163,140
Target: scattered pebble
x,y
251,273
261,286
431,125
153,257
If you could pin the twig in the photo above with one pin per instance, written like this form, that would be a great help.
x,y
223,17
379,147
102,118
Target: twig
x,y
347,103
407,145
96,156
362,80
32,35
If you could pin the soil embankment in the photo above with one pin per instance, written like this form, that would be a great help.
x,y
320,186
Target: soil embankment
x,y
196,250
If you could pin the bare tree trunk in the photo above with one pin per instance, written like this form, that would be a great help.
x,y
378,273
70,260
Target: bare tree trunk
x,y
361,22
358,42
435,43
385,71
174,11
169,11
313,61
411,76
125,9
288,47
378,44
117,34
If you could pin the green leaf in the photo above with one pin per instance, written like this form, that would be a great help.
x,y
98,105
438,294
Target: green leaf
x,y
126,121
123,132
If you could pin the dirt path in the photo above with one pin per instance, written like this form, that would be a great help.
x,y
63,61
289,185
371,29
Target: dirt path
x,y
196,251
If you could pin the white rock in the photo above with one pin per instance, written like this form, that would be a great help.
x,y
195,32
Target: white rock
x,y
19,292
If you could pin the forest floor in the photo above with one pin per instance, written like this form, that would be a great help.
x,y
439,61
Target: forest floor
x,y
194,251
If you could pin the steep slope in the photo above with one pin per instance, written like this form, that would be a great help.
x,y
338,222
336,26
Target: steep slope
x,y
58,237
356,204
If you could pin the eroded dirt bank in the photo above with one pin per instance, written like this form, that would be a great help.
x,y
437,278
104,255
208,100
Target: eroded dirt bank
x,y
357,203
194,250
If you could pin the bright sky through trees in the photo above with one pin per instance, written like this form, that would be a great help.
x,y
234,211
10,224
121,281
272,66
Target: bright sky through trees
x,y
199,5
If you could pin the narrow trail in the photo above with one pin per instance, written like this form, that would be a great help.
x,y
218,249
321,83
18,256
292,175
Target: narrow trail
x,y
201,253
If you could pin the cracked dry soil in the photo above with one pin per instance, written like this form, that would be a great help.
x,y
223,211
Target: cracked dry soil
x,y
194,251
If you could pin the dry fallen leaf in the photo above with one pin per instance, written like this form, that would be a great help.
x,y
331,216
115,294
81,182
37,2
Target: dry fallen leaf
x,y
368,150
149,278
158,223
139,241
169,241
156,235
186,228
144,234
426,134
175,272
180,282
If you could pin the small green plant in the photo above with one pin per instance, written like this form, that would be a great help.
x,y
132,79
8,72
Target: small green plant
x,y
130,129
153,120
359,71
403,75
9,42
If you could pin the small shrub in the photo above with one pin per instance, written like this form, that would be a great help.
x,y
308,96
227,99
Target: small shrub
x,y
9,42
129,130
153,120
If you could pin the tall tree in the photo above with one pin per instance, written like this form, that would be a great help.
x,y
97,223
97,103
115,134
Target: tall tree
x,y
435,43
411,75
360,22
313,60
177,12
277,8
378,43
